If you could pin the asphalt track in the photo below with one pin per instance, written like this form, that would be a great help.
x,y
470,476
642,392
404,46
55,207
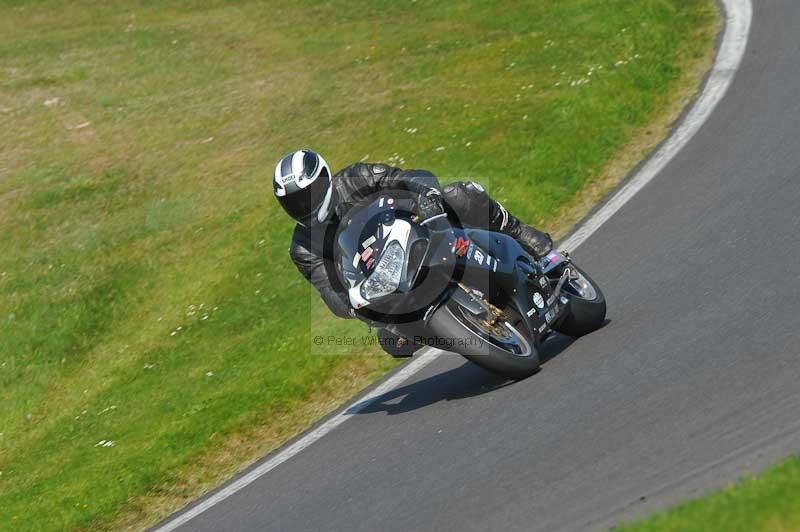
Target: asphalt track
x,y
694,381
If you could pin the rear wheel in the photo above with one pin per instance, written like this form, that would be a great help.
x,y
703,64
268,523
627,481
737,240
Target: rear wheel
x,y
587,306
489,341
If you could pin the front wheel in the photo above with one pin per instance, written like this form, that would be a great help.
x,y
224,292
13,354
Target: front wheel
x,y
490,342
587,304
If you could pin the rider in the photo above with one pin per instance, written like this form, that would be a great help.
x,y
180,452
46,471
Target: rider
x,y
315,198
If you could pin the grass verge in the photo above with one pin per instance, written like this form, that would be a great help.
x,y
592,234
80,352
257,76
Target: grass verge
x,y
767,502
154,336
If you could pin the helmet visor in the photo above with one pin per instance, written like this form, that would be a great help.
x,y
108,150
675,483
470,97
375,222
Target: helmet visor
x,y
304,203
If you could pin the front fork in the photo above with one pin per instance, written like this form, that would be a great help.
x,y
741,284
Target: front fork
x,y
568,274
557,267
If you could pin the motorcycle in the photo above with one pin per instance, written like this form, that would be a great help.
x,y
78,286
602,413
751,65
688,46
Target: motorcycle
x,y
467,290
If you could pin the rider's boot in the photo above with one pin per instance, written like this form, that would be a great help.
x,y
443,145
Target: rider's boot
x,y
532,240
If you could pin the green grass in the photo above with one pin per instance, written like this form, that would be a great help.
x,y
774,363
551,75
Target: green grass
x,y
767,502
146,295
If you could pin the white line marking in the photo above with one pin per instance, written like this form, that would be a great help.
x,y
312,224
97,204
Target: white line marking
x,y
737,28
417,363
734,41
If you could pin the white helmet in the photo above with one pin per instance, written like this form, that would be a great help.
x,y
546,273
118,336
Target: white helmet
x,y
302,184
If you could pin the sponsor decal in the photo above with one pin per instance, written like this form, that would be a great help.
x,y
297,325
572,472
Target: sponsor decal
x,y
551,300
287,178
478,256
530,312
542,328
368,257
543,282
461,247
368,242
538,300
564,299
378,168
550,314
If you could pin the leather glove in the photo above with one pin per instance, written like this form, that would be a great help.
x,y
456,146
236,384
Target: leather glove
x,y
430,204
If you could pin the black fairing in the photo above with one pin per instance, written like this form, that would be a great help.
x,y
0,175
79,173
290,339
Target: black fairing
x,y
438,260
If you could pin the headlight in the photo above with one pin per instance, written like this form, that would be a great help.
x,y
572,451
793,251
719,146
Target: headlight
x,y
386,277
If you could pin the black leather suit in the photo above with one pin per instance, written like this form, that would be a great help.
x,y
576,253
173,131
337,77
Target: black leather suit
x,y
312,249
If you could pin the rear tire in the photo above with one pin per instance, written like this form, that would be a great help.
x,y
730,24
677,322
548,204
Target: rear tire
x,y
585,315
466,341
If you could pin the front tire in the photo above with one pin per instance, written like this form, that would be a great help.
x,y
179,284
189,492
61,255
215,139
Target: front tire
x,y
514,357
587,311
